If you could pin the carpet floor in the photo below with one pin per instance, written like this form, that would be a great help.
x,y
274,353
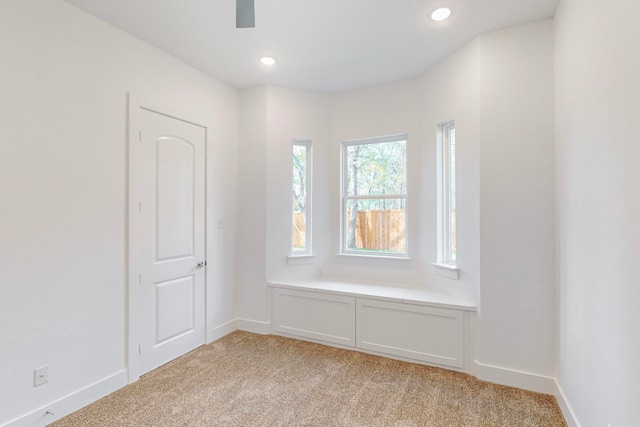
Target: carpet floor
x,y
246,379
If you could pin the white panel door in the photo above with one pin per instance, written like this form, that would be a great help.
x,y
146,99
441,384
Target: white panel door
x,y
173,238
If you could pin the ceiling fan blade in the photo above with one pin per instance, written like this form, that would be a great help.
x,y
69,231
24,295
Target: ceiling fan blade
x,y
245,14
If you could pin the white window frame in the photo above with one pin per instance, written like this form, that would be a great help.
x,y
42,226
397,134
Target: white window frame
x,y
308,251
344,197
445,180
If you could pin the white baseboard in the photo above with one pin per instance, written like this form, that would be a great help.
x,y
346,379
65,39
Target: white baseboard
x,y
89,394
71,402
99,389
255,326
515,378
220,331
565,407
528,381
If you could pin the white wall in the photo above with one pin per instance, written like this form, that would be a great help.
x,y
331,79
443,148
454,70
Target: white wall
x,y
272,117
251,301
294,114
597,64
63,193
415,107
388,109
516,326
499,89
450,90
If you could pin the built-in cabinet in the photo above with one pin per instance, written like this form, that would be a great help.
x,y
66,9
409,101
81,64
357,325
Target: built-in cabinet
x,y
315,315
393,322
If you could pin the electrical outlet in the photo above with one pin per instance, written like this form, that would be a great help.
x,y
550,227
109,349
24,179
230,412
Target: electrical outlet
x,y
41,376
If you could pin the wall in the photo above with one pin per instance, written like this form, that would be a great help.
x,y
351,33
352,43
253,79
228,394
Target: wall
x,y
415,107
450,90
251,301
294,114
272,117
382,110
516,328
63,194
597,64
499,89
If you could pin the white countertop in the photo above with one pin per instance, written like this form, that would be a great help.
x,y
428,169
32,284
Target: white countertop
x,y
375,290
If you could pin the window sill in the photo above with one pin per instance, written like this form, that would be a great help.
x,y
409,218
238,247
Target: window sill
x,y
447,270
300,259
368,256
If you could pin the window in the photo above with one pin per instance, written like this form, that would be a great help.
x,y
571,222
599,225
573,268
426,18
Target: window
x,y
301,199
447,193
374,196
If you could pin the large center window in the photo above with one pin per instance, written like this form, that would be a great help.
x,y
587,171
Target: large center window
x,y
374,196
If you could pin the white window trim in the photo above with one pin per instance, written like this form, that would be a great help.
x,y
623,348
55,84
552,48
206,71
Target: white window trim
x,y
344,197
443,202
447,270
309,202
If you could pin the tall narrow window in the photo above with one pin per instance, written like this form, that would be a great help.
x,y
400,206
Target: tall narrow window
x,y
374,196
301,199
447,193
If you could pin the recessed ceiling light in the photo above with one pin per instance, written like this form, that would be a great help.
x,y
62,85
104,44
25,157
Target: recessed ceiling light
x,y
267,60
441,14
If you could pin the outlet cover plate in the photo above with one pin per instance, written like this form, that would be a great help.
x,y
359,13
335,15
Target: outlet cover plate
x,y
41,376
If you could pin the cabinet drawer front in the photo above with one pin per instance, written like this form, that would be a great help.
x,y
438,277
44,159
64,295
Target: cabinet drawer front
x,y
314,315
428,334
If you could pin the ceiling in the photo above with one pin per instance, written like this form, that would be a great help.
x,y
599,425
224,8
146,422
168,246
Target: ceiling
x,y
323,45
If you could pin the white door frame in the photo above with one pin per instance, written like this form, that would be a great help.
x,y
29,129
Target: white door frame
x,y
134,233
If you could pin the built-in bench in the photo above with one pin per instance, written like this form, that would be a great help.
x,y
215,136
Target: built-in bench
x,y
406,323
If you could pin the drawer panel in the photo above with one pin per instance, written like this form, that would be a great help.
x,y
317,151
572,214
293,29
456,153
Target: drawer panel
x,y
428,334
314,315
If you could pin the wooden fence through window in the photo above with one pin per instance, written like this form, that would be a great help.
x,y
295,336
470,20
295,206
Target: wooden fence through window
x,y
299,235
377,230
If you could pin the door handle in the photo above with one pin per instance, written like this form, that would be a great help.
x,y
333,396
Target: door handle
x,y
201,264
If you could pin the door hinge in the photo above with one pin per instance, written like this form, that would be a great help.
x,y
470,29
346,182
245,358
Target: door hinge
x,y
140,278
139,136
139,348
139,206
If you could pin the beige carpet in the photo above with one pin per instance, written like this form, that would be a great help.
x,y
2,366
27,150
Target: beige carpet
x,y
245,379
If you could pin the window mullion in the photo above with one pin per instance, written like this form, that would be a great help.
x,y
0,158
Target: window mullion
x,y
378,197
